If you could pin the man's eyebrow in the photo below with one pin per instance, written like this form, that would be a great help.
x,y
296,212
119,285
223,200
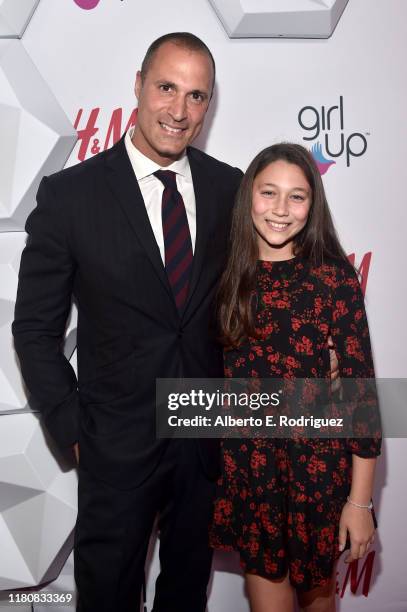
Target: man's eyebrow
x,y
174,85
200,92
165,82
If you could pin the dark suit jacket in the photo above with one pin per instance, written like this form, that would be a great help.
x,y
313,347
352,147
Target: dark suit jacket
x,y
90,237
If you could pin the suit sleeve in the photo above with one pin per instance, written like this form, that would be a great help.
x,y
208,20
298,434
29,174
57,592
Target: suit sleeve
x,y
350,334
42,306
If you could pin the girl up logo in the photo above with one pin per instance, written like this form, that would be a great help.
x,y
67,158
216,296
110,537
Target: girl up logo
x,y
328,125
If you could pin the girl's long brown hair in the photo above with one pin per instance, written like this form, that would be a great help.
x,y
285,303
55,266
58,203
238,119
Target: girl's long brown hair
x,y
316,241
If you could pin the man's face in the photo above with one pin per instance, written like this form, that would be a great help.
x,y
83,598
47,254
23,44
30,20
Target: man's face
x,y
172,98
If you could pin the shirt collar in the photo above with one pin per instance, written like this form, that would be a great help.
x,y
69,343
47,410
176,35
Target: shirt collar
x,y
143,166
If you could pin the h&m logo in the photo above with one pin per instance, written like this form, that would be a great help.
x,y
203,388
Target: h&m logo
x,y
354,576
328,124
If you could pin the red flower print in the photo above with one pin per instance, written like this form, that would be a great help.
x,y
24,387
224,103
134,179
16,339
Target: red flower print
x,y
292,362
323,328
305,346
296,573
316,465
321,545
343,463
254,548
302,534
257,459
340,309
229,463
269,565
279,501
318,305
353,349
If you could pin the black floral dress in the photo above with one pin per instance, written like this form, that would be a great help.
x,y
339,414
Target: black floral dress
x,y
279,501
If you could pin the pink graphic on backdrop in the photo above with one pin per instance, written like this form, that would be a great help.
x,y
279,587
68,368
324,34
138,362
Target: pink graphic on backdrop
x,y
322,162
87,5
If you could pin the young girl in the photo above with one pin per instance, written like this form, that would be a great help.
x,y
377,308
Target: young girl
x,y
290,506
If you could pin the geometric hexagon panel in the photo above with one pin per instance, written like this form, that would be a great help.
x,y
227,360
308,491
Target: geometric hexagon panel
x,y
65,583
14,16
37,504
36,135
13,395
279,18
12,390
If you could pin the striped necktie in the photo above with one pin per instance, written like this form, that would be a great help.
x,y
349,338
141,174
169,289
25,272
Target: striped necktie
x,y
177,237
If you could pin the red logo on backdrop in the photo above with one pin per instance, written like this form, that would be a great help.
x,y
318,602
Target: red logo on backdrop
x,y
362,269
355,577
114,132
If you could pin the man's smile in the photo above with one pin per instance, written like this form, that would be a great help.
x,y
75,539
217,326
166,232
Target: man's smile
x,y
170,129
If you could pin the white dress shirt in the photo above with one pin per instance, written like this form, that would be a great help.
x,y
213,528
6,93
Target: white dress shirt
x,y
152,189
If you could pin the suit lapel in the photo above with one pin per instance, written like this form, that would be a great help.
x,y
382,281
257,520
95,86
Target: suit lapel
x,y
204,199
123,184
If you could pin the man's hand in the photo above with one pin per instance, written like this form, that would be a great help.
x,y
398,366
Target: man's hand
x,y
75,449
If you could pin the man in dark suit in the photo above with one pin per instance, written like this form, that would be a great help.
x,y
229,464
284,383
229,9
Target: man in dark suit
x,y
138,236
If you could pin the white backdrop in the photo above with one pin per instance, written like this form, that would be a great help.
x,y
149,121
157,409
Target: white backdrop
x,y
89,58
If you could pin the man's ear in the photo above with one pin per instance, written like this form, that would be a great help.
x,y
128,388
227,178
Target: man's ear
x,y
138,85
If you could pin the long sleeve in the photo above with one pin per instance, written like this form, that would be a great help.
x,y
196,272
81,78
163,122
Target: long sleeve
x,y
42,307
350,334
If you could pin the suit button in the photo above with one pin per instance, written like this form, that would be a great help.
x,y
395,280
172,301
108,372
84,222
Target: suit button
x,y
180,334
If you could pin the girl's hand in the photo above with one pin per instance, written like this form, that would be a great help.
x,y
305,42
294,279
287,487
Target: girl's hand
x,y
359,523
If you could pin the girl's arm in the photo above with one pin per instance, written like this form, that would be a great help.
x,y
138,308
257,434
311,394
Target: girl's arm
x,y
358,522
350,334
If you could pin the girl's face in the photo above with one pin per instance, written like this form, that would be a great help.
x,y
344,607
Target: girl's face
x,y
281,201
